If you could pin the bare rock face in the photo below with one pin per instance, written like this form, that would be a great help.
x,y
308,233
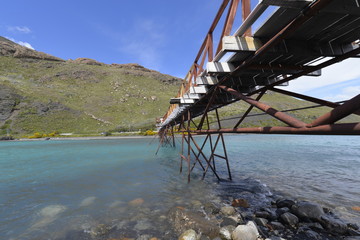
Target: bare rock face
x,y
8,101
9,48
183,220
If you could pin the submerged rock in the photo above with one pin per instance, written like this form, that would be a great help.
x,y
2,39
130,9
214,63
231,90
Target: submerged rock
x,y
136,202
183,220
227,210
225,232
240,203
245,232
189,235
285,203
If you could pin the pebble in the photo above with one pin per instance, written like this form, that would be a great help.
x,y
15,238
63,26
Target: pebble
x,y
227,210
285,203
240,203
289,219
225,232
189,235
245,232
277,225
263,214
261,222
227,222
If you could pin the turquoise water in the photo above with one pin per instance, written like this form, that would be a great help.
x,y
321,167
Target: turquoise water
x,y
50,188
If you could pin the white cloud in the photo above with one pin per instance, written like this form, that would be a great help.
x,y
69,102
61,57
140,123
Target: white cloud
x,y
17,29
25,44
345,94
340,72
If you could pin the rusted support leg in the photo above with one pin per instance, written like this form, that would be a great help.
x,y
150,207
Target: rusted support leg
x,y
189,145
293,122
207,160
226,156
338,113
173,136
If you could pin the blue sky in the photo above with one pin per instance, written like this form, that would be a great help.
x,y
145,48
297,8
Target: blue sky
x,y
158,34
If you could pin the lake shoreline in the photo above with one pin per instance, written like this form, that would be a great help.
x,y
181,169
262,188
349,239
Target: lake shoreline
x,y
80,138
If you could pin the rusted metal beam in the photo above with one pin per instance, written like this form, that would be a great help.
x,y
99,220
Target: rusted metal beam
x,y
208,106
338,113
246,10
330,129
249,109
212,28
293,122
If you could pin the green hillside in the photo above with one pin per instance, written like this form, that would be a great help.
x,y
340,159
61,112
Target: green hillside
x,y
42,93
78,96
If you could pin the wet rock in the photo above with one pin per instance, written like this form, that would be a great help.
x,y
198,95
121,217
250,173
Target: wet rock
x,y
183,220
227,222
240,203
225,232
289,219
275,238
314,226
136,202
285,203
211,208
189,235
245,232
281,211
142,225
261,222
352,238
313,235
263,214
100,230
144,237
307,210
277,226
227,210
333,225
353,226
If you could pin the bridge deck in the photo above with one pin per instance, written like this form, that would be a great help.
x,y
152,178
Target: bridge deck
x,y
298,39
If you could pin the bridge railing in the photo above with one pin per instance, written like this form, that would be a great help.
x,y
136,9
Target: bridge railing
x,y
207,51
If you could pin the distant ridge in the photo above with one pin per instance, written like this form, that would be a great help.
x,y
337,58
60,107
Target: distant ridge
x,y
9,48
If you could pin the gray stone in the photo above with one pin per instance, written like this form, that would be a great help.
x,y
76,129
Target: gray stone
x,y
277,226
227,210
285,203
313,235
245,232
353,238
227,222
183,220
307,210
144,237
281,211
189,235
289,219
225,232
211,208
263,214
261,222
333,225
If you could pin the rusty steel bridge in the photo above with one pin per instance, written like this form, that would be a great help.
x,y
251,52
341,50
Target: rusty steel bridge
x,y
299,38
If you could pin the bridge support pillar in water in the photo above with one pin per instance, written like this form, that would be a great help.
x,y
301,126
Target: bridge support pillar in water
x,y
204,154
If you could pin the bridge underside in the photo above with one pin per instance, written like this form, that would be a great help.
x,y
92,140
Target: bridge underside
x,y
299,39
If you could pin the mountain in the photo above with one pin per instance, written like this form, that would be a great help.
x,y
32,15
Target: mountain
x,y
43,93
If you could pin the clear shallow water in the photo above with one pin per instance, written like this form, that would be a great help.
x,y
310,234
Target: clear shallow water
x,y
49,188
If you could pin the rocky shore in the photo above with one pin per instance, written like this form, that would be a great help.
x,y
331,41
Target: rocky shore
x,y
232,218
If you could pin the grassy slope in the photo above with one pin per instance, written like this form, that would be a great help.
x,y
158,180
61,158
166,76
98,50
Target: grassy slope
x,y
116,97
82,98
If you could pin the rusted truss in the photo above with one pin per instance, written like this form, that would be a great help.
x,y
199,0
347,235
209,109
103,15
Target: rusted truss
x,y
299,39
